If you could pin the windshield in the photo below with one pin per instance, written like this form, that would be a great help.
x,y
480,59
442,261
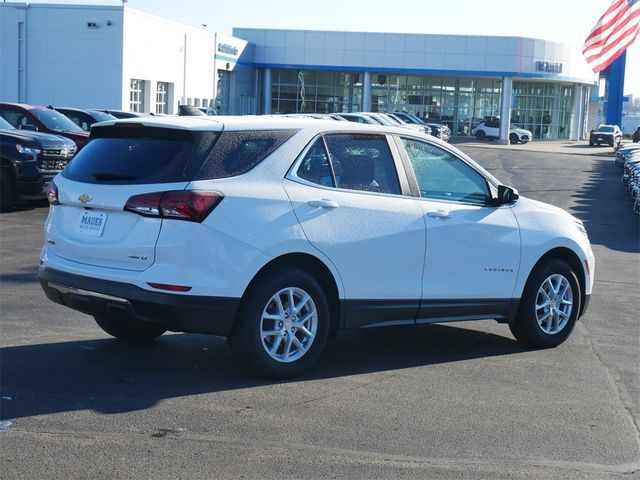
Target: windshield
x,y
605,129
55,120
515,125
391,120
382,120
101,116
6,125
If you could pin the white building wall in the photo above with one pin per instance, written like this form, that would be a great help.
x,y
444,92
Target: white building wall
x,y
66,61
160,50
419,53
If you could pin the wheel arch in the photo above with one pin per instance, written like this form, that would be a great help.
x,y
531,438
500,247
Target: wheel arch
x,y
569,256
315,267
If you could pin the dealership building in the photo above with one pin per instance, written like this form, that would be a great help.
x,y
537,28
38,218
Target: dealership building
x,y
117,57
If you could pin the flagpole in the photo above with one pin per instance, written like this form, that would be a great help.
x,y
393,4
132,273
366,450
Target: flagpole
x,y
614,93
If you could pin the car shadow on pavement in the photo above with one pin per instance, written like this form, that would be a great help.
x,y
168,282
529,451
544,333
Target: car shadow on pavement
x,y
109,376
27,274
606,208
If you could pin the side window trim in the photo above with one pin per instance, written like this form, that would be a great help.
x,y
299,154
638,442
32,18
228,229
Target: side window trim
x,y
413,191
401,167
334,182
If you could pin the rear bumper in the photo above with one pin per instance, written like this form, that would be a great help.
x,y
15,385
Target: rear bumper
x,y
178,313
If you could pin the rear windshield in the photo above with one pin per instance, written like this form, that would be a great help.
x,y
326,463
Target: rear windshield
x,y
55,120
605,129
135,155
101,116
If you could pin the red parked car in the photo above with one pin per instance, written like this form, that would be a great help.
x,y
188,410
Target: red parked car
x,y
42,119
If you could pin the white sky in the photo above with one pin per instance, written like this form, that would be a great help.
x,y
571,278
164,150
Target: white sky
x,y
567,21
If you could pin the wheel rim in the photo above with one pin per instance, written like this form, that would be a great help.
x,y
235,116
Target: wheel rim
x,y
289,324
554,303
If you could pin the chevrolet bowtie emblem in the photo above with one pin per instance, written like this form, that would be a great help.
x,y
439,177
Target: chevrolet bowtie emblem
x,y
84,198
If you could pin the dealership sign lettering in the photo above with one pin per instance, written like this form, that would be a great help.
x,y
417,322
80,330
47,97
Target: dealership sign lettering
x,y
551,67
228,49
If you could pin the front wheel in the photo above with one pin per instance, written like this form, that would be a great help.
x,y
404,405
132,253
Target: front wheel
x,y
480,135
131,332
549,306
282,325
513,138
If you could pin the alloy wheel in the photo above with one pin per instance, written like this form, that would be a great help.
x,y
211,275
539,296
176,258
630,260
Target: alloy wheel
x,y
289,324
554,302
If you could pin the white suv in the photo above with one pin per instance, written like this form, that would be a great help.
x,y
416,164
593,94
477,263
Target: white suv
x,y
278,232
491,129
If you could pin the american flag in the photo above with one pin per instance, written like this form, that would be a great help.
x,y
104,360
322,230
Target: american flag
x,y
612,34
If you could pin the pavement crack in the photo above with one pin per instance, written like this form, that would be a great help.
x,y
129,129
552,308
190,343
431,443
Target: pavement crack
x,y
344,390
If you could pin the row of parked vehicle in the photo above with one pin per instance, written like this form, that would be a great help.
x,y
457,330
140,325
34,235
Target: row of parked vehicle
x,y
628,158
392,119
38,142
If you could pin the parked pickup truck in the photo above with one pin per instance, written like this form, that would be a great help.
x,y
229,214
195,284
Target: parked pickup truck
x,y
29,160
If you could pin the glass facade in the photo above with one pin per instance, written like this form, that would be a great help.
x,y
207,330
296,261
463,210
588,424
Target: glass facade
x,y
545,108
296,91
457,102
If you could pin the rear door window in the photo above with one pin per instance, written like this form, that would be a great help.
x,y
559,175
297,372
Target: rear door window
x,y
356,162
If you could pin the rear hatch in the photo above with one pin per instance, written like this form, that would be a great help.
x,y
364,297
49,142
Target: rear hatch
x,y
122,160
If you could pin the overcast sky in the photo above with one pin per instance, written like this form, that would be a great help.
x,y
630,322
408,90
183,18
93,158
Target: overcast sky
x,y
567,21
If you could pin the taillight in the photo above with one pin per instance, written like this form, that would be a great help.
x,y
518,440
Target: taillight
x,y
171,288
52,194
190,205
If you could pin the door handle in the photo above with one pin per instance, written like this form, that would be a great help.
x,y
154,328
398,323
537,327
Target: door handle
x,y
442,214
323,203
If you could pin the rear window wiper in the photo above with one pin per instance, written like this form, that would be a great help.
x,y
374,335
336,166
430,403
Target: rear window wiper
x,y
111,176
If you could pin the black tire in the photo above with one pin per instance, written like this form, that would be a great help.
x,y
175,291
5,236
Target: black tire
x,y
591,144
480,135
526,328
130,332
246,340
513,138
7,191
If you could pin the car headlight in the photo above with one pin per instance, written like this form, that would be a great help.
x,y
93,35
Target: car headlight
x,y
28,150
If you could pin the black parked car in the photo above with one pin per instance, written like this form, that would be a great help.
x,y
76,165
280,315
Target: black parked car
x,y
609,134
85,118
29,160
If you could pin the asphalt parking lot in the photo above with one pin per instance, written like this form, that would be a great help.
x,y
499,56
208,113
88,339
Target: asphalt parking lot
x,y
454,401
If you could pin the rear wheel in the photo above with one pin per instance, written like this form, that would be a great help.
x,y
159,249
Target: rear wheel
x,y
132,332
549,307
480,135
7,192
282,325
513,138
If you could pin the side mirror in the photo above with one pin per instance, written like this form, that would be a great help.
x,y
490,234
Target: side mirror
x,y
506,195
29,126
